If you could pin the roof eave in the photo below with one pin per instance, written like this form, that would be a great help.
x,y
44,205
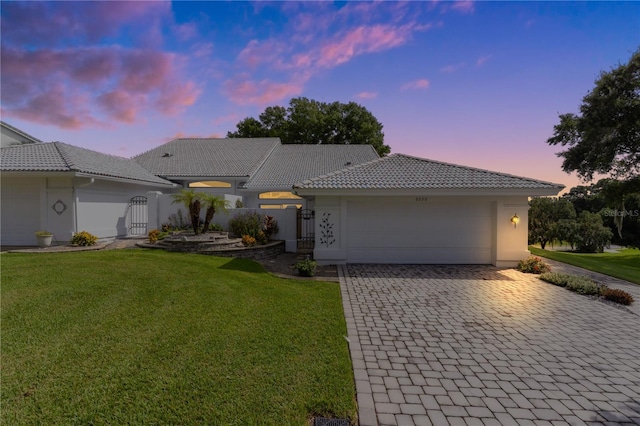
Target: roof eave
x,y
127,180
459,192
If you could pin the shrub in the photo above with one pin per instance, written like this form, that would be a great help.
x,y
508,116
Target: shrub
x,y
176,222
306,267
584,285
270,226
617,296
533,265
43,234
216,227
153,235
262,237
239,204
84,238
248,240
556,278
246,224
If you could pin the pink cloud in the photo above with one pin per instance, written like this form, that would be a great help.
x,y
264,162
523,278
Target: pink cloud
x,y
453,68
463,6
416,85
49,23
200,50
361,40
107,82
257,53
55,105
367,95
233,117
248,92
482,60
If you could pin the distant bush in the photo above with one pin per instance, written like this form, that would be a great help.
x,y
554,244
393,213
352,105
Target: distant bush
x,y
617,296
83,238
533,265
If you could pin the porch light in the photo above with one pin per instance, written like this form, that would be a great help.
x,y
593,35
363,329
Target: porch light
x,y
515,219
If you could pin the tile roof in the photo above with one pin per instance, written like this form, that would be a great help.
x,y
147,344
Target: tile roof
x,y
207,157
289,164
399,171
61,157
22,133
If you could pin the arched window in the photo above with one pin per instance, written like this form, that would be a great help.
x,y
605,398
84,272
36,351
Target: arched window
x,y
210,184
280,195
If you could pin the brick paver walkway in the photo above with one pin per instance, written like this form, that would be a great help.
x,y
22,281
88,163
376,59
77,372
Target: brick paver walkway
x,y
474,345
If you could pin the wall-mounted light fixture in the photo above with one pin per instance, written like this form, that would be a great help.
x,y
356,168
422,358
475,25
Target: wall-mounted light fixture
x,y
515,219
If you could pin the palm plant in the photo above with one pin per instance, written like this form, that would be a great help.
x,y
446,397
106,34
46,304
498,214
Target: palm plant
x,y
213,204
191,200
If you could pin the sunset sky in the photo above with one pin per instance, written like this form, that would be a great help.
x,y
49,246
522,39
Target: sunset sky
x,y
474,83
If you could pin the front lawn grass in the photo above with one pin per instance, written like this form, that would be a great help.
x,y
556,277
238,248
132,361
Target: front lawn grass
x,y
624,264
136,336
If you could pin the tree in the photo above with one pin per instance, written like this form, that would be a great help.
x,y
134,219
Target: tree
x,y
213,204
191,200
605,137
593,236
307,121
544,213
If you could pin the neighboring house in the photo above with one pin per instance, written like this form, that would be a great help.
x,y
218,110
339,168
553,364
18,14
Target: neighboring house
x,y
65,189
11,136
403,209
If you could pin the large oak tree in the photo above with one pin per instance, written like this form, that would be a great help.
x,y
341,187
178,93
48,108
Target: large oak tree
x,y
605,136
307,121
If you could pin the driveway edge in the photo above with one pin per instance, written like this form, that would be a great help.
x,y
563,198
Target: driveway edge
x,y
364,394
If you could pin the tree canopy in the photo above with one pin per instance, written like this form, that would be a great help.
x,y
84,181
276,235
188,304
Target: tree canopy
x,y
307,121
605,136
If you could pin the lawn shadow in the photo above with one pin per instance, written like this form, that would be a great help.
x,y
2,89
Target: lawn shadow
x,y
243,265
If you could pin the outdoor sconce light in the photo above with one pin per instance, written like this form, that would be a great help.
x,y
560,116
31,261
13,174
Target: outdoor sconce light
x,y
515,219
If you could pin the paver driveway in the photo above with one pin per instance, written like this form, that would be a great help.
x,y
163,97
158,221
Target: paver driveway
x,y
478,345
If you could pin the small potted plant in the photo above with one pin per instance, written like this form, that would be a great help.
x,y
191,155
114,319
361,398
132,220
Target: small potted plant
x,y
306,267
44,238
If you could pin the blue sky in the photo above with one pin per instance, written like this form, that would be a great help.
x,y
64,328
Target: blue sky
x,y
474,83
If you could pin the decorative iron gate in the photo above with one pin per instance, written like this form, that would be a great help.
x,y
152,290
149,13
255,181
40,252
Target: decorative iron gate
x,y
138,216
306,229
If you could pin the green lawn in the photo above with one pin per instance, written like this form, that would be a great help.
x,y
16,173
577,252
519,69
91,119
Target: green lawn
x,y
624,264
137,336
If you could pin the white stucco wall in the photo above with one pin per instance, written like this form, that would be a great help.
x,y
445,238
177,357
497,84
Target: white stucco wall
x,y
420,229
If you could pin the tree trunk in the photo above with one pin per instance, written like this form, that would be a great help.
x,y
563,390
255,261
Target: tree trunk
x,y
194,213
207,218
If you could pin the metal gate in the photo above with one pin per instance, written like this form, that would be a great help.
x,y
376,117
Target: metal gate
x,y
306,229
138,216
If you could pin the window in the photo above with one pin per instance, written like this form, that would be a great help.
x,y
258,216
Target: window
x,y
279,206
282,195
210,184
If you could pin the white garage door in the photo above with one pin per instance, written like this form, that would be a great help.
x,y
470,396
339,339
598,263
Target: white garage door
x,y
20,211
411,230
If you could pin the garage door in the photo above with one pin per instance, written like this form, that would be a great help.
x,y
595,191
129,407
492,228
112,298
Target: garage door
x,y
20,211
418,230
